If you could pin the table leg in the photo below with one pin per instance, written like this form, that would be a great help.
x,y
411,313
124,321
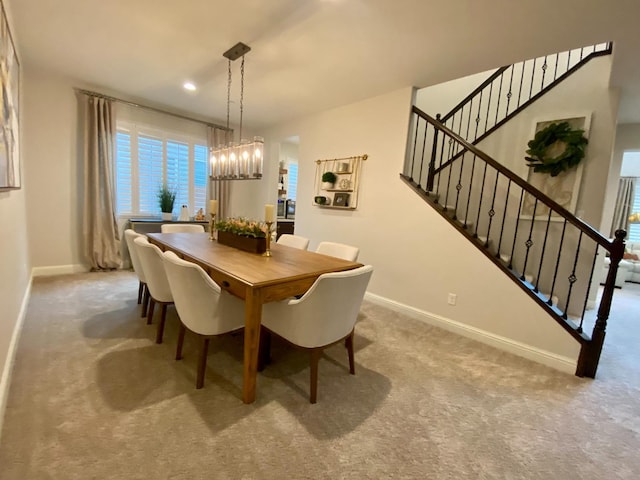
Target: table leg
x,y
252,318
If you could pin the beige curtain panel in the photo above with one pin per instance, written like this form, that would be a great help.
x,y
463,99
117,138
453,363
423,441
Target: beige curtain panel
x,y
624,204
100,229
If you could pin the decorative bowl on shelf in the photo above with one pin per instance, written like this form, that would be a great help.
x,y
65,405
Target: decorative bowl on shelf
x,y
320,200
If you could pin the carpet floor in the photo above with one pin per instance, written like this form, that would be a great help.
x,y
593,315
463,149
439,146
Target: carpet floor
x,y
93,397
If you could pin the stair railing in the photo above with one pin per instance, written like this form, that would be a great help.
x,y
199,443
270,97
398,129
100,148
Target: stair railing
x,y
512,88
543,247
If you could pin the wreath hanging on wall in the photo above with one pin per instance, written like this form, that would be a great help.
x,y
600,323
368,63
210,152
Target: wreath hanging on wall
x,y
550,140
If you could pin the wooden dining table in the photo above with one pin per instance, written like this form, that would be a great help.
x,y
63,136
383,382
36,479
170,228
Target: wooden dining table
x,y
255,278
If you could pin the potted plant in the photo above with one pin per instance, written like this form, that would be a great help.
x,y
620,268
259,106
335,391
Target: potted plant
x,y
166,197
242,233
328,180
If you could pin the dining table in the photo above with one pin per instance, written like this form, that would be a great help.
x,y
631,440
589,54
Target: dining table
x,y
255,278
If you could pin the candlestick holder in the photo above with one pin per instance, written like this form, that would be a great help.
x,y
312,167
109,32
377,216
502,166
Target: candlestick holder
x,y
212,224
267,252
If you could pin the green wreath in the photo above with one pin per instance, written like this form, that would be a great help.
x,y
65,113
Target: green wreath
x,y
572,155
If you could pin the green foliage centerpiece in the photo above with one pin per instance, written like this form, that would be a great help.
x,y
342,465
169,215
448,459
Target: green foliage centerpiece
x,y
242,233
556,148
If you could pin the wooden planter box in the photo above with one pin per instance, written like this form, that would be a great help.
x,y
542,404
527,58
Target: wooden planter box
x,y
248,244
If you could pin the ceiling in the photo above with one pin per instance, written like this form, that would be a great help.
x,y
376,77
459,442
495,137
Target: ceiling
x,y
308,55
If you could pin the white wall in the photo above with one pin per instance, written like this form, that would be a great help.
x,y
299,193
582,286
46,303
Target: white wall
x,y
441,98
54,200
418,257
15,266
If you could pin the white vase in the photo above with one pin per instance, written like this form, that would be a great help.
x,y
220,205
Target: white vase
x,y
327,185
167,216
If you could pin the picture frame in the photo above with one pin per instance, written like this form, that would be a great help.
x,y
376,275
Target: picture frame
x,y
341,200
10,171
564,188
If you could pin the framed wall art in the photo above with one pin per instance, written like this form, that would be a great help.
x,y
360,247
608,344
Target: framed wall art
x,y
10,175
563,188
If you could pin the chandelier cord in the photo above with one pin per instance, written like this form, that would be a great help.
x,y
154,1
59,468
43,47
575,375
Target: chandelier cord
x,y
228,94
241,97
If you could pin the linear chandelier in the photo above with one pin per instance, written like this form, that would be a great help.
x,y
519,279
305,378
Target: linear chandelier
x,y
237,160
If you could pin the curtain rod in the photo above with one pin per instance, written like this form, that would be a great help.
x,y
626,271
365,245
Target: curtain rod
x,y
154,109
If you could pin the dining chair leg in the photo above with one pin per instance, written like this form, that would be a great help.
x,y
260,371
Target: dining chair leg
x,y
163,317
349,343
316,353
152,306
181,333
146,298
202,363
140,292
264,349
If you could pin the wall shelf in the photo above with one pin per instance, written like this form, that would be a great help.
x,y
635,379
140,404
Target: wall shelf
x,y
345,194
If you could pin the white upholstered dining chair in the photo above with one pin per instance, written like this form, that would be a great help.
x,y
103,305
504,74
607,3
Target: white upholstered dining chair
x,y
202,306
143,292
339,250
151,260
181,228
295,241
326,314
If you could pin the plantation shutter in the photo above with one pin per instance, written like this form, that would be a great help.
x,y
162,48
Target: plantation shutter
x,y
201,158
292,187
124,193
150,176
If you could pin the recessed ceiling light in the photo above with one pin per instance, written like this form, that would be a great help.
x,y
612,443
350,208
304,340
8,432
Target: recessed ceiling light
x,y
189,86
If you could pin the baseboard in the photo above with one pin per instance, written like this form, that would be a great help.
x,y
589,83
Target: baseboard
x,y
558,362
5,380
58,270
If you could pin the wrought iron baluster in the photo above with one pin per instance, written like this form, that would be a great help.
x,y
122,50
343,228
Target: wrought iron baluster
x,y
568,59
492,211
434,153
586,297
499,96
544,246
466,212
521,83
555,273
529,243
510,93
555,71
459,187
415,143
424,143
515,234
440,165
572,278
475,134
466,137
450,167
486,120
544,72
484,177
533,74
504,216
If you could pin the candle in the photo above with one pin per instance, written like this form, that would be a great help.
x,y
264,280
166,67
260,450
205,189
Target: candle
x,y
213,206
269,213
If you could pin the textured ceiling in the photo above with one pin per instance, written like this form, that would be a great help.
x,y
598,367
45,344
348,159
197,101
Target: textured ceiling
x,y
308,55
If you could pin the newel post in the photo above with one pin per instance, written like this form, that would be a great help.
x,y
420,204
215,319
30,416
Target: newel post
x,y
590,352
432,162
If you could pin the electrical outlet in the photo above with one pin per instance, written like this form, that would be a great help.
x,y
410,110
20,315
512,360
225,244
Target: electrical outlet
x,y
451,300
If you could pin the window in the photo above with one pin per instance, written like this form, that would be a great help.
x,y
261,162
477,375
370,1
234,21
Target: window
x,y
147,158
292,187
634,228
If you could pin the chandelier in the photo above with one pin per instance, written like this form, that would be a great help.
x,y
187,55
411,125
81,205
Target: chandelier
x,y
237,160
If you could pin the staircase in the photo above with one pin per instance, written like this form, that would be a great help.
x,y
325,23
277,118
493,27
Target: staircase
x,y
541,246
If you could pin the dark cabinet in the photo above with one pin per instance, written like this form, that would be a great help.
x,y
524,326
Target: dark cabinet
x,y
284,227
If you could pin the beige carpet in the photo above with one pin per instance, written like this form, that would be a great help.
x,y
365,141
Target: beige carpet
x,y
93,397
